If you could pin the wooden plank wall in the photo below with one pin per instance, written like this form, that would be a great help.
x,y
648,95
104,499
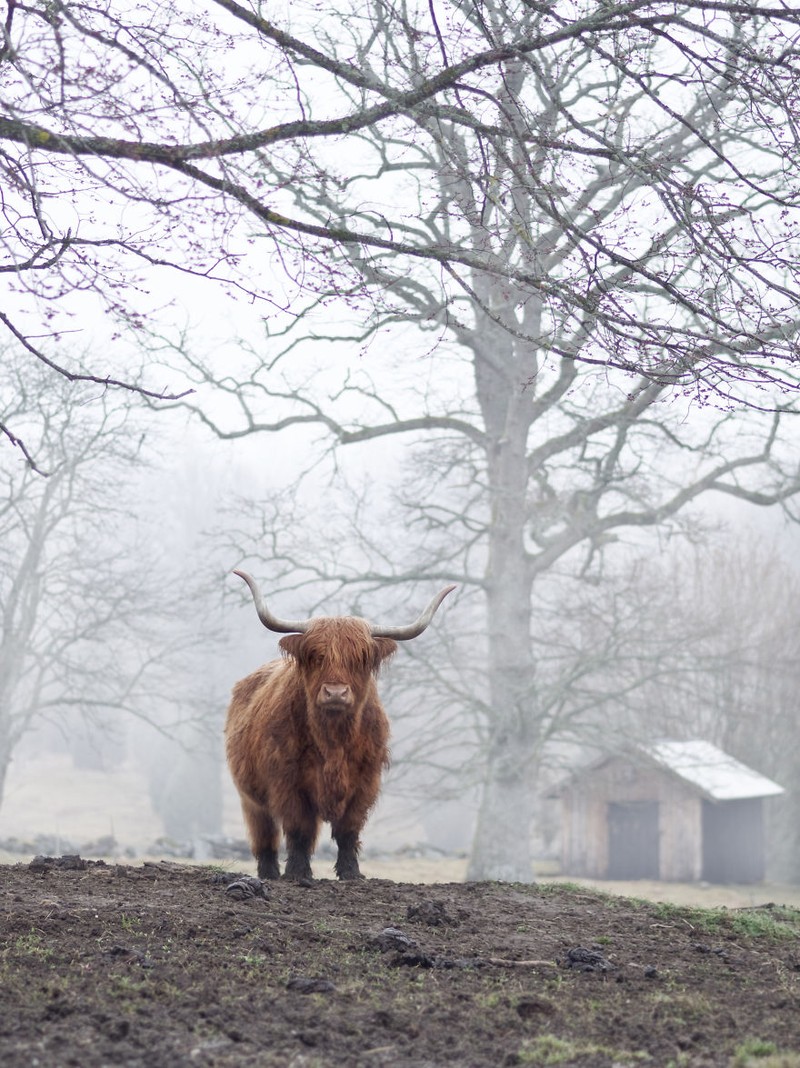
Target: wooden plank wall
x,y
585,819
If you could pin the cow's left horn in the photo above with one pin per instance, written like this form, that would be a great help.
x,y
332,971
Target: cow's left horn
x,y
402,634
282,626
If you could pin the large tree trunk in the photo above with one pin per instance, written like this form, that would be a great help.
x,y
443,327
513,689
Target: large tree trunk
x,y
501,847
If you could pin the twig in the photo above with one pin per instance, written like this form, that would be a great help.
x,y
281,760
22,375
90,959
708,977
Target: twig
x,y
503,962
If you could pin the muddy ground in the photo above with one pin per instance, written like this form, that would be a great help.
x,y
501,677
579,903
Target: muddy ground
x,y
165,964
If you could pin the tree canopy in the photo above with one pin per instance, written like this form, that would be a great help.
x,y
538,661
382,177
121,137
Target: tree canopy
x,y
616,183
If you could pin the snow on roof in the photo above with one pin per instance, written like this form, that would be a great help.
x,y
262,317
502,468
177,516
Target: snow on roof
x,y
717,774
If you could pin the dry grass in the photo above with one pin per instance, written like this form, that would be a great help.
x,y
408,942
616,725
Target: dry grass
x,y
50,796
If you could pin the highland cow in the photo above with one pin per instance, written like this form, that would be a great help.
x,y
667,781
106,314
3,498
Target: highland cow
x,y
307,736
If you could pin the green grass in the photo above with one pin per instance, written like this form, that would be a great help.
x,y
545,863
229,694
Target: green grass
x,y
760,1053
549,1050
777,922
32,944
255,960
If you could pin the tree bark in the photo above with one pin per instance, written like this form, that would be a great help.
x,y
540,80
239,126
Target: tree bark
x,y
501,847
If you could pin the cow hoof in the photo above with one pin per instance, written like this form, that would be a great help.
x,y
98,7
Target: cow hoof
x,y
268,866
303,878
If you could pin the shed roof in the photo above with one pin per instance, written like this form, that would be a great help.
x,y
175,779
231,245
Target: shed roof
x,y
717,774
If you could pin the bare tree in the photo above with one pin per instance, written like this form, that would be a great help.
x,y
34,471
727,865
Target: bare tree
x,y
87,628
612,185
596,206
552,645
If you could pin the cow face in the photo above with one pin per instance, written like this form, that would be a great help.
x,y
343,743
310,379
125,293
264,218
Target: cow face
x,y
336,659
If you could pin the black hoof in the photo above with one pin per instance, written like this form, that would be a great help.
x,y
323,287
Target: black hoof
x,y
348,872
268,867
301,880
298,869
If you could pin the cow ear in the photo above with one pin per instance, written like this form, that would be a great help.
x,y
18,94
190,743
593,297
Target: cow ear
x,y
384,648
292,644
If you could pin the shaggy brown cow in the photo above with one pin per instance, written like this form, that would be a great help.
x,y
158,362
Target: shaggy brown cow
x,y
307,736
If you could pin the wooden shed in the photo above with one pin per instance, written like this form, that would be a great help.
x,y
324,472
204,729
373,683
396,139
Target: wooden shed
x,y
673,811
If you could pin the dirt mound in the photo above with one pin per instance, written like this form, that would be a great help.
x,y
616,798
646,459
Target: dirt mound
x,y
170,965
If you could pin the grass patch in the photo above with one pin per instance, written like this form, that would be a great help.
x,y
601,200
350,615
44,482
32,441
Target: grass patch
x,y
549,1049
32,944
255,960
565,888
776,922
759,1053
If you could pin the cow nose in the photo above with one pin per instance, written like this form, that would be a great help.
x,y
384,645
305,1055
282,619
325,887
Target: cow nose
x,y
335,692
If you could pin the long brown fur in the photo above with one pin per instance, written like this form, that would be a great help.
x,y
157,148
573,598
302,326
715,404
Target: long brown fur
x,y
302,752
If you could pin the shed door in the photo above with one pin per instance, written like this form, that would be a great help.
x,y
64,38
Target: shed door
x,y
633,840
733,841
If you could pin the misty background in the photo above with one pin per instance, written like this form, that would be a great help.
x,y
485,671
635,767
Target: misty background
x,y
574,397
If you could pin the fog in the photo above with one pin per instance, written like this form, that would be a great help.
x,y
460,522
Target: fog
x,y
149,779
538,371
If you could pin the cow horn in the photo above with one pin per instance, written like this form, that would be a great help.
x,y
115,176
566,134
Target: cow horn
x,y
282,626
402,634
285,626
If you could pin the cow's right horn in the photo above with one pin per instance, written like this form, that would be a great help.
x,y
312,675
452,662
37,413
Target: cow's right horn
x,y
402,634
282,626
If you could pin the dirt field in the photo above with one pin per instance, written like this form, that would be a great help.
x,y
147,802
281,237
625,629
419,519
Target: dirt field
x,y
165,964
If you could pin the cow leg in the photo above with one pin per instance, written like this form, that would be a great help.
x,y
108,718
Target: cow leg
x,y
298,862
301,837
347,829
264,836
267,860
346,866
